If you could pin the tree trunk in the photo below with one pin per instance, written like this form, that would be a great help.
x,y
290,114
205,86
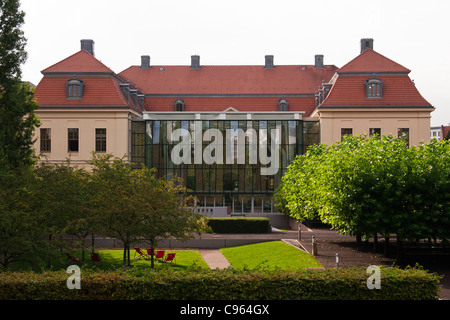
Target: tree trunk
x,y
152,258
399,249
375,242
125,255
386,246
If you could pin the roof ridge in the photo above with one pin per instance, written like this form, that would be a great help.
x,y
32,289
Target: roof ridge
x,y
82,51
369,51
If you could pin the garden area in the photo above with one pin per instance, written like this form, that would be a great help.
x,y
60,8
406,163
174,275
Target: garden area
x,y
273,255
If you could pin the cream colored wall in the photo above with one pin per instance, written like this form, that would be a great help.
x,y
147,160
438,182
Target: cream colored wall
x,y
417,120
116,123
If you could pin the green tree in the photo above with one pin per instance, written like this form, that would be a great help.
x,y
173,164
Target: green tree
x,y
366,186
21,234
134,206
17,120
62,202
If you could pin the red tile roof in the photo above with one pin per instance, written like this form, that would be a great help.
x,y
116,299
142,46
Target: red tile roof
x,y
244,104
370,61
398,91
228,79
97,92
82,61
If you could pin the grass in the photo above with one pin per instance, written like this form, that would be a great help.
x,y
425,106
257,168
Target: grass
x,y
269,256
113,259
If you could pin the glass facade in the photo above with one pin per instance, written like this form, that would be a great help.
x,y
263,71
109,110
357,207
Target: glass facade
x,y
233,163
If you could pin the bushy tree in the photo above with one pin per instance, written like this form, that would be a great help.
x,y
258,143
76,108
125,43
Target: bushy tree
x,y
373,185
17,120
134,206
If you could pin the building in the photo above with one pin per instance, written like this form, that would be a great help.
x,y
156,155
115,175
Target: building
x,y
83,109
229,131
440,133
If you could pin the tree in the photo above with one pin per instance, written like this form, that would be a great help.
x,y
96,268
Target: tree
x,y
368,185
134,206
17,120
168,214
21,235
62,201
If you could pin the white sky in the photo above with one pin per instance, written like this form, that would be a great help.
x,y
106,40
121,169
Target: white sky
x,y
412,33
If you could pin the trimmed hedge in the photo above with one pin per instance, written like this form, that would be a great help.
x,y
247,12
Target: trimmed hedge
x,y
239,225
228,284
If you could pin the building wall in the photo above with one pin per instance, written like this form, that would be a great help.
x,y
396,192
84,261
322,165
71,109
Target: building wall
x,y
115,122
418,122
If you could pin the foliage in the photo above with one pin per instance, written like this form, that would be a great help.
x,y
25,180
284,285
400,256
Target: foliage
x,y
228,284
367,185
21,234
133,205
239,225
17,120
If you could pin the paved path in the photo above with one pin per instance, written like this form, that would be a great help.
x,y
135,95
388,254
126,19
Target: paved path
x,y
214,258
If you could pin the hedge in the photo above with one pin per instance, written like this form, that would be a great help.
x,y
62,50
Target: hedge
x,y
239,225
228,284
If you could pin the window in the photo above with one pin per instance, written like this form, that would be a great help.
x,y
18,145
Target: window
x,y
404,132
100,140
73,135
374,88
74,88
46,142
179,105
346,132
374,131
283,105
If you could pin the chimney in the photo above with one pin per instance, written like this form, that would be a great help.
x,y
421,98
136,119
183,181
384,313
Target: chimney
x,y
88,45
366,43
195,62
269,62
145,62
318,61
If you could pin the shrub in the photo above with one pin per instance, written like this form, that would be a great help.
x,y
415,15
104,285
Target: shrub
x,y
239,225
228,284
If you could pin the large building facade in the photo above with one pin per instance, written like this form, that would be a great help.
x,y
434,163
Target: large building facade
x,y
229,132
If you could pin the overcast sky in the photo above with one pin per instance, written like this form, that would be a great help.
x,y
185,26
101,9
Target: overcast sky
x,y
412,33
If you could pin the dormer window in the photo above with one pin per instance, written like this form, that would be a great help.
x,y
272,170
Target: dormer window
x,y
179,105
283,105
374,88
75,88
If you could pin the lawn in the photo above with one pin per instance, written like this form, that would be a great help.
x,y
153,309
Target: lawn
x,y
113,259
184,259
269,256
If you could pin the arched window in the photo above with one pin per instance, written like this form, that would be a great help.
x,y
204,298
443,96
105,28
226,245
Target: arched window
x,y
75,88
179,105
374,88
283,105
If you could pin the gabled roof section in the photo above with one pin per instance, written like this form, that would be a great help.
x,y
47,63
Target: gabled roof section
x,y
99,92
223,80
370,61
398,91
80,62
